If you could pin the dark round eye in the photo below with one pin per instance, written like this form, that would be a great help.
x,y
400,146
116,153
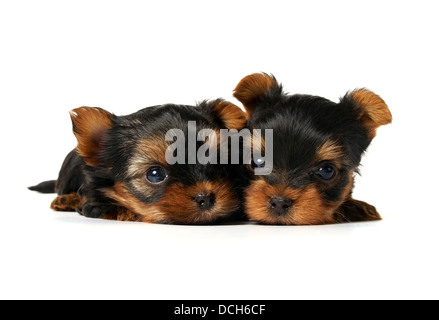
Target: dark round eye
x,y
258,163
156,175
326,172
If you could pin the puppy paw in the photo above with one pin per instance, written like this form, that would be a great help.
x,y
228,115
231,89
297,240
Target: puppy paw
x,y
91,211
108,212
354,210
122,214
66,202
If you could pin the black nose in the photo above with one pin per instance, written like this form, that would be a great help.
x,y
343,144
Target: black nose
x,y
280,206
205,201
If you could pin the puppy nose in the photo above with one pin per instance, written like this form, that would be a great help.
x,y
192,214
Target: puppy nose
x,y
205,201
280,206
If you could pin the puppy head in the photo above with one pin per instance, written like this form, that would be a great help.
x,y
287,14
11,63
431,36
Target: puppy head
x,y
317,148
132,149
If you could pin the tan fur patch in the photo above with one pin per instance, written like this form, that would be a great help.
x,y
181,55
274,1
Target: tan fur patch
x,y
308,206
150,151
89,127
177,204
252,89
66,202
123,214
120,193
374,112
330,150
180,207
232,116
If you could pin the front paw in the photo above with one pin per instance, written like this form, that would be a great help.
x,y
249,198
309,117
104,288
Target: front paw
x,y
66,202
91,211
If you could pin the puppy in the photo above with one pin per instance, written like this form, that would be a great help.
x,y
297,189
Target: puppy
x,y
119,169
317,148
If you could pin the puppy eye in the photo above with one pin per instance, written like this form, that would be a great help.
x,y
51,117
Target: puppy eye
x,y
156,175
258,163
327,172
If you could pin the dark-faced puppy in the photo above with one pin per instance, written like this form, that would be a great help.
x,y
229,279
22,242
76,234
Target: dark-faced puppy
x,y
317,148
120,168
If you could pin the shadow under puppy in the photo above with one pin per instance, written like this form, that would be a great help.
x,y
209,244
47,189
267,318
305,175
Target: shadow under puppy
x,y
119,169
317,148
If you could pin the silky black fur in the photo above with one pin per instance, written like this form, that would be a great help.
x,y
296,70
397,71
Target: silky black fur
x,y
303,123
119,146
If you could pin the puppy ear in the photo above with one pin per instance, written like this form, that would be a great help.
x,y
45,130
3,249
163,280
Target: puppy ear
x,y
255,88
372,110
354,210
89,127
230,115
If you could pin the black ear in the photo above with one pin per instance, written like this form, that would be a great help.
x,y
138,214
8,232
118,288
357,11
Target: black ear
x,y
372,111
255,88
231,116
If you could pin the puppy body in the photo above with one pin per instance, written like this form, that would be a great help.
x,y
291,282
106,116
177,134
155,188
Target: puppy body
x,y
317,148
119,170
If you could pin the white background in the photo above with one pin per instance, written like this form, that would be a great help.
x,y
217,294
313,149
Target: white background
x,y
126,55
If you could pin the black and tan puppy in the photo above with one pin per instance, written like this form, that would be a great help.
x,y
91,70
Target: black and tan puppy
x,y
317,148
119,169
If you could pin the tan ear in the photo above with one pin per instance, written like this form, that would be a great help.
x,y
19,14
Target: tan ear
x,y
372,110
231,115
89,127
254,88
